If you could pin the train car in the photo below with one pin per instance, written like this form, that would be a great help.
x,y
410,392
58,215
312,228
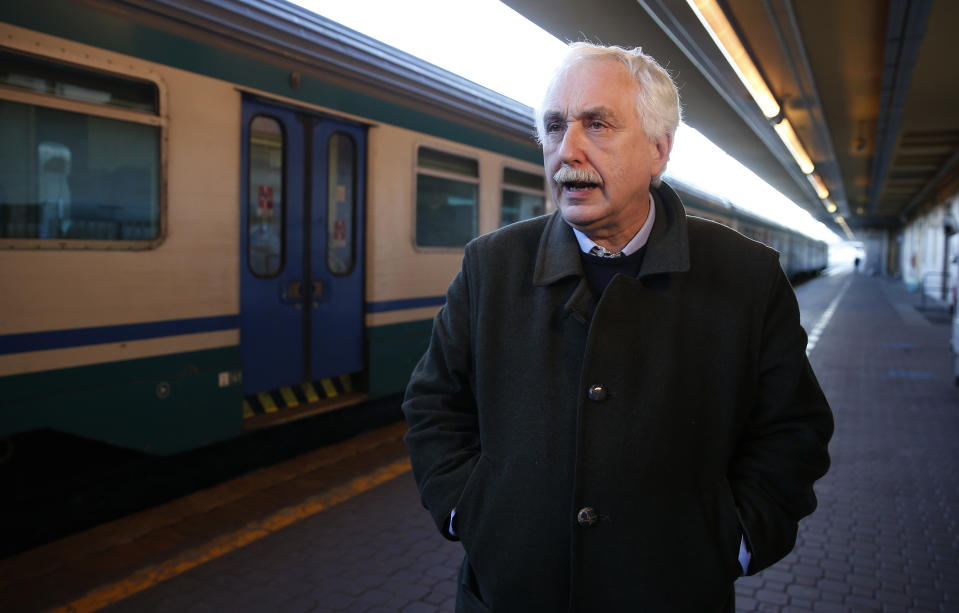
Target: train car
x,y
799,255
219,215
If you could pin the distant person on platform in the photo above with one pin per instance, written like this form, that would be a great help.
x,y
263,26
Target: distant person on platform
x,y
615,412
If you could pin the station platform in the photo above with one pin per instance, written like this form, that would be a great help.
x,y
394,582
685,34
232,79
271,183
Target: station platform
x,y
341,528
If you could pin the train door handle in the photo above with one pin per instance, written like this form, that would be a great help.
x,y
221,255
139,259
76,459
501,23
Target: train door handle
x,y
293,291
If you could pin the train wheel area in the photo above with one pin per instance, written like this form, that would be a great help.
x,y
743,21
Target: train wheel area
x,y
56,484
200,526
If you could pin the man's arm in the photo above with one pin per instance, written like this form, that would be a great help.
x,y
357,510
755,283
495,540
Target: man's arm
x,y
784,448
440,408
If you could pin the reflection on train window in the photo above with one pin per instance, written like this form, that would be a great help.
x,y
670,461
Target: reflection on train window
x,y
66,175
341,204
265,225
45,77
523,196
447,193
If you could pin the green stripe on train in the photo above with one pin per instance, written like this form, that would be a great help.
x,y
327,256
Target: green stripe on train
x,y
161,405
85,24
394,351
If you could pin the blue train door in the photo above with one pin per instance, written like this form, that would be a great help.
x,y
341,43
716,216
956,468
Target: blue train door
x,y
302,221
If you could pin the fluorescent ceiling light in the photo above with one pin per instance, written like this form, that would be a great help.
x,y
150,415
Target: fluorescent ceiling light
x,y
819,186
722,33
845,227
788,136
724,36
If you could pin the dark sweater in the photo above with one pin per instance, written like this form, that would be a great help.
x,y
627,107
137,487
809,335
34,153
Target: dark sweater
x,y
600,271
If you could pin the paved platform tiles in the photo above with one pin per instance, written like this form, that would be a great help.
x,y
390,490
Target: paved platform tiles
x,y
376,553
884,537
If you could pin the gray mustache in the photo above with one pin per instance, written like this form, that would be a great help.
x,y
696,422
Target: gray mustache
x,y
576,175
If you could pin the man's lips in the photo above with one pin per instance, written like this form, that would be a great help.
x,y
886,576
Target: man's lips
x,y
577,186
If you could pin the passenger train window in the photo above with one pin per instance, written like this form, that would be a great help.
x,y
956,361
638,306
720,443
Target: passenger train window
x,y
74,172
523,196
341,204
447,196
265,201
67,175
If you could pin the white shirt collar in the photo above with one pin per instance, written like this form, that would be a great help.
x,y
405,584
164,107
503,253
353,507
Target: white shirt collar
x,y
634,244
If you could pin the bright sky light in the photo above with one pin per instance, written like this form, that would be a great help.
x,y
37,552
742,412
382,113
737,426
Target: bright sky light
x,y
491,44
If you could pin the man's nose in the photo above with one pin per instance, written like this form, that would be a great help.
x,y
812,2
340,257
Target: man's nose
x,y
571,148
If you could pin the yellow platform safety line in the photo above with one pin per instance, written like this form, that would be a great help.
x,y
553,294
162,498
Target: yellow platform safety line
x,y
254,531
289,397
328,388
266,401
247,411
347,384
310,391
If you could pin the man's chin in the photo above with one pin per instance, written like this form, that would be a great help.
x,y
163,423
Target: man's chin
x,y
580,215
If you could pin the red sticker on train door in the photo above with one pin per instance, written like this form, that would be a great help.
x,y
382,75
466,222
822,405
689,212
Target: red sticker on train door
x,y
264,200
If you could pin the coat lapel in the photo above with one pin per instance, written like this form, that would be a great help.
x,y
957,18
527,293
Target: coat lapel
x,y
668,246
557,258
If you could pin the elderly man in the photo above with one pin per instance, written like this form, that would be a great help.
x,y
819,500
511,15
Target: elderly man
x,y
615,412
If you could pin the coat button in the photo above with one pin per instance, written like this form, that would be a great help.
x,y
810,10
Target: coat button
x,y
586,517
597,393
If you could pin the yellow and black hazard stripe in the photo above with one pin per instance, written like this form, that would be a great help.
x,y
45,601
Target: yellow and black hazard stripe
x,y
296,395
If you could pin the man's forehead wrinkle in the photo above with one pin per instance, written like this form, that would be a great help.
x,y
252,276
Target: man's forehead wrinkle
x,y
598,112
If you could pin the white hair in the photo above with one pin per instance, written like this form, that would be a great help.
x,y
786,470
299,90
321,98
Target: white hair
x,y
658,101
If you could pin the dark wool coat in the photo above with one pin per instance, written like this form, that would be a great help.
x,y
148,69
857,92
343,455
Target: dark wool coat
x,y
609,457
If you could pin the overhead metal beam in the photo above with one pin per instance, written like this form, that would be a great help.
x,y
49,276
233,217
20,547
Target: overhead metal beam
x,y
678,22
905,29
946,168
782,17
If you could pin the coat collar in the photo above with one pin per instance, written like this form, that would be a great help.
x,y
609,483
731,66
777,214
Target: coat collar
x,y
667,250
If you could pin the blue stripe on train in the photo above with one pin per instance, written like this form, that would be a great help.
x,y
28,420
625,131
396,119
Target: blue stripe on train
x,y
78,337
408,303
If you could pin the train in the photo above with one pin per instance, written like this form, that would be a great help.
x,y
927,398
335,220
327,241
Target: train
x,y
217,216
800,255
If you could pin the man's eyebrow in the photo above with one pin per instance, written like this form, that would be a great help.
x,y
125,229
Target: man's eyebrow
x,y
549,116
598,112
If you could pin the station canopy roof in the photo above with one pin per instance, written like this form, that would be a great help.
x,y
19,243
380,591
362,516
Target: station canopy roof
x,y
871,88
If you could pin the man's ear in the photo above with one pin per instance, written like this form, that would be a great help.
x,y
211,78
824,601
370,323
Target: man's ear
x,y
661,148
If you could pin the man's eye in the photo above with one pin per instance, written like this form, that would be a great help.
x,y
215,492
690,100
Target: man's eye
x,y
553,126
596,125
